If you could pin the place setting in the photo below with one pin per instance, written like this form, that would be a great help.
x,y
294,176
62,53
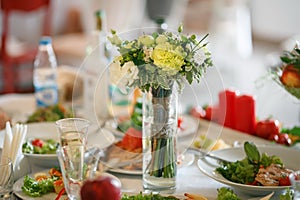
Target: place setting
x,y
72,146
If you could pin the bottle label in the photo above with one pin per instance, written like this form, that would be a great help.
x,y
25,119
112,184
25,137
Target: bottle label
x,y
46,95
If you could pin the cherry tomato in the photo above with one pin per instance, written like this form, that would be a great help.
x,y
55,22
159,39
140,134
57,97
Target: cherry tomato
x,y
37,143
285,139
284,181
266,128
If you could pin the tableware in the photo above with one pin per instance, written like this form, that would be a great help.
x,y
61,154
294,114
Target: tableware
x,y
184,160
295,181
189,126
72,131
71,161
17,189
204,154
6,177
208,166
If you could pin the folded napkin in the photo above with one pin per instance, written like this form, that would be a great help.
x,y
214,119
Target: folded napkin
x,y
12,145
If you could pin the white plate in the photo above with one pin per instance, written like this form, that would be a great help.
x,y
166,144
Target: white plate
x,y
289,156
17,189
48,130
189,126
186,160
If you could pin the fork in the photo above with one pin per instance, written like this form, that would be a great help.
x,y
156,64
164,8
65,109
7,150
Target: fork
x,y
207,154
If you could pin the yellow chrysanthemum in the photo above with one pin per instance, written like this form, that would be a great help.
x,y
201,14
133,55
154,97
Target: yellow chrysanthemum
x,y
167,58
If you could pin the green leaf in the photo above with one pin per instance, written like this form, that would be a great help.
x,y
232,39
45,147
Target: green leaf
x,y
189,76
252,152
294,131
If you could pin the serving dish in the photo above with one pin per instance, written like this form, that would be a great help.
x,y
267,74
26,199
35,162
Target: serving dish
x,y
289,156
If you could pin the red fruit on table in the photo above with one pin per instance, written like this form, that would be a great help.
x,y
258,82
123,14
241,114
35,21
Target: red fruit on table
x,y
285,139
274,137
101,188
266,128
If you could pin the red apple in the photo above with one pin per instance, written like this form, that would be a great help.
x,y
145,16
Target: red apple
x,y
101,188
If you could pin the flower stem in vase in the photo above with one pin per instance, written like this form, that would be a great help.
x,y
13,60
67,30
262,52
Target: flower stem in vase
x,y
160,138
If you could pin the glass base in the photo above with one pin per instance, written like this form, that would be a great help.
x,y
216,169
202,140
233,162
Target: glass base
x,y
159,185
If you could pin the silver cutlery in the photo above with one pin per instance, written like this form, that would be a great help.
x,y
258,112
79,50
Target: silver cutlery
x,y
202,154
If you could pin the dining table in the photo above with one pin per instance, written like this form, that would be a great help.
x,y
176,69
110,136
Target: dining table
x,y
189,178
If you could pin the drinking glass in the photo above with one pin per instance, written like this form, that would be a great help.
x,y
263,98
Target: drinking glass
x,y
6,177
71,161
73,131
295,181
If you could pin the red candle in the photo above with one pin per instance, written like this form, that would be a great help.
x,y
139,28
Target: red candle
x,y
245,114
226,108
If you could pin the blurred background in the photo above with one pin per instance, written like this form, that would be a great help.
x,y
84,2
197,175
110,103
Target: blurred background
x,y
245,38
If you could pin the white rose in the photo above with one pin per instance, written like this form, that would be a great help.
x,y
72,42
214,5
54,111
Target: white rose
x,y
123,76
130,72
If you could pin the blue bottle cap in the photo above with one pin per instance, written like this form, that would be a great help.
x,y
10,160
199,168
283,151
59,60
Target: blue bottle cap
x,y
45,40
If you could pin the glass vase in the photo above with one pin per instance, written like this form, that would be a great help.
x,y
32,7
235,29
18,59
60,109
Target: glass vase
x,y
160,107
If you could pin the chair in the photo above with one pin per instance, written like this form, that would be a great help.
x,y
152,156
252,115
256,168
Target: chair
x,y
11,60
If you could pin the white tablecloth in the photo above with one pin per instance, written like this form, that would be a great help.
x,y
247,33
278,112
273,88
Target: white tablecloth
x,y
190,179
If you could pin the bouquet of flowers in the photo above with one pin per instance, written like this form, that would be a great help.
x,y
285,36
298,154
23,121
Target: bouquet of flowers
x,y
152,61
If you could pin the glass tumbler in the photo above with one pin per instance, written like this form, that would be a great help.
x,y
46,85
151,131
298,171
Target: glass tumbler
x,y
72,131
6,178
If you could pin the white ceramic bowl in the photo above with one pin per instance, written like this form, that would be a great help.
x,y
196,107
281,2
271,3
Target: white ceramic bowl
x,y
289,156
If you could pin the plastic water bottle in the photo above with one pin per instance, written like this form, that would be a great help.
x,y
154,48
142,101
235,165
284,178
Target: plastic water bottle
x,y
45,74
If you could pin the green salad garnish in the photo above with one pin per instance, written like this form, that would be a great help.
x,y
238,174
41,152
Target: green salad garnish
x,y
225,193
244,171
142,196
40,146
36,188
